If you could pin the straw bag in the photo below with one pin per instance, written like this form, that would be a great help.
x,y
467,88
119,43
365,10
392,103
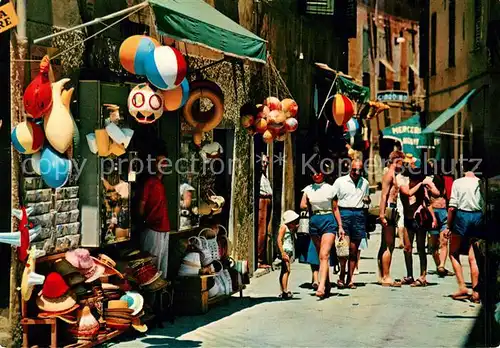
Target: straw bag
x,y
190,265
212,244
342,247
303,222
224,282
201,244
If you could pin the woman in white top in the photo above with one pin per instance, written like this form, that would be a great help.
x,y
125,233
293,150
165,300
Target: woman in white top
x,y
318,198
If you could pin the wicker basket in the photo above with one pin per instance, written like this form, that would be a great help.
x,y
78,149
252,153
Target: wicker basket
x,y
342,247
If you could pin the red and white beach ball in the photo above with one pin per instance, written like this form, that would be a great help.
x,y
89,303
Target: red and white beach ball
x,y
174,99
262,111
165,67
291,124
133,52
352,127
273,103
261,125
289,107
342,109
27,137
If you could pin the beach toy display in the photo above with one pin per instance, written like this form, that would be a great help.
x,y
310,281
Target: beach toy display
x,y
342,109
54,168
37,98
144,104
165,67
175,99
289,107
27,137
59,125
133,52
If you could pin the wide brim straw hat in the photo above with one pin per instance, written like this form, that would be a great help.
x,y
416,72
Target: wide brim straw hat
x,y
30,278
60,304
290,216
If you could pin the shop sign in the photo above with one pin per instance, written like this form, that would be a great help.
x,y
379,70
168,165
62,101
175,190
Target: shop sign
x,y
8,17
393,96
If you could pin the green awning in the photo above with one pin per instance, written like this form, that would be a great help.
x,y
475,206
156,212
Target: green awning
x,y
449,113
409,134
196,22
359,94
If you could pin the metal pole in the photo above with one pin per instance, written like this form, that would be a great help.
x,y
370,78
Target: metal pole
x,y
95,21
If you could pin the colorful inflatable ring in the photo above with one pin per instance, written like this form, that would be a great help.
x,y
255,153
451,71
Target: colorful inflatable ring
x,y
204,121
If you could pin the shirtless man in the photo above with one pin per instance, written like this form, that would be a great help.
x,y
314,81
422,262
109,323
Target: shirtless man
x,y
390,192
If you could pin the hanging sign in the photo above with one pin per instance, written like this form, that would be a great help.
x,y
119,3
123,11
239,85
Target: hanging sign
x,y
393,96
8,17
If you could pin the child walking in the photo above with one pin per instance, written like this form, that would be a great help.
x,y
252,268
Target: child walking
x,y
286,247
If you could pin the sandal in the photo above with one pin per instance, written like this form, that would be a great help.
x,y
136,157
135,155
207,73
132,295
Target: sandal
x,y
408,281
460,297
443,272
352,286
289,294
340,284
284,296
419,283
314,286
395,284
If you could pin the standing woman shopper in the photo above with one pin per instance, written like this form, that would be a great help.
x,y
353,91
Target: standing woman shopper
x,y
323,225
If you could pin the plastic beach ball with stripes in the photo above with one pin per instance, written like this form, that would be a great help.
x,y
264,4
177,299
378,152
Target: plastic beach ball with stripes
x,y
27,137
165,67
342,109
351,127
133,52
174,99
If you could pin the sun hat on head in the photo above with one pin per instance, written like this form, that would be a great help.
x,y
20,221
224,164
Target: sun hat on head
x,y
290,216
409,158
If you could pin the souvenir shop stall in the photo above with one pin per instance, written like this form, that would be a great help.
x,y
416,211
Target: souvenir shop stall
x,y
85,279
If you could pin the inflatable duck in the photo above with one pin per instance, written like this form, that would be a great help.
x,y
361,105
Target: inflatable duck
x,y
59,125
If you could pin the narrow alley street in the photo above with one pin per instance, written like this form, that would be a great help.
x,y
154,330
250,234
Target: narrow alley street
x,y
370,316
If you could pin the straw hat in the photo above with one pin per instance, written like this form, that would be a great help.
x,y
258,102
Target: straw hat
x,y
138,325
61,305
117,304
290,216
60,314
135,301
158,284
109,265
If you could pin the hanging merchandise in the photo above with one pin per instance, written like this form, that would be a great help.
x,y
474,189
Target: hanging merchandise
x,y
289,107
144,104
165,67
262,111
273,103
291,124
59,125
175,99
276,120
204,121
35,162
351,127
133,53
261,125
30,279
27,137
247,115
55,168
342,109
268,137
18,239
37,97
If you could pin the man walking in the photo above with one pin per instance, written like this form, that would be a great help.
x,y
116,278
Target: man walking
x,y
388,204
352,194
465,221
265,208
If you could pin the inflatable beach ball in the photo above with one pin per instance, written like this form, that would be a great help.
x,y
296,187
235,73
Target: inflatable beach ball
x,y
174,99
289,107
291,124
342,109
35,162
165,67
27,137
55,169
133,52
352,127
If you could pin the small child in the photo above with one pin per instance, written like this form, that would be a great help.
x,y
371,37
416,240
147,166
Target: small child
x,y
286,247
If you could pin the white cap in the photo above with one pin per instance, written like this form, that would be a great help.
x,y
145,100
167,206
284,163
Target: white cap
x,y
185,187
290,216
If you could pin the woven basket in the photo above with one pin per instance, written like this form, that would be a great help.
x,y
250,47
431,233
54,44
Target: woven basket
x,y
342,247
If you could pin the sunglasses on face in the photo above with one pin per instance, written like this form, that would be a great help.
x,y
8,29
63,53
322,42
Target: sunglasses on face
x,y
356,171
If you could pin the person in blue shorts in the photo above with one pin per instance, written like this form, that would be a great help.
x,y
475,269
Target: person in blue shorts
x,y
324,223
465,222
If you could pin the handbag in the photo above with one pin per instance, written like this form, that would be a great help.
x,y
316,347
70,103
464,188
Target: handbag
x,y
342,247
201,244
212,244
303,222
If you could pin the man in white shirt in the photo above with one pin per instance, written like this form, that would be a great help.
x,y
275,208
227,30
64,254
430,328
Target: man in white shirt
x,y
465,222
265,209
352,193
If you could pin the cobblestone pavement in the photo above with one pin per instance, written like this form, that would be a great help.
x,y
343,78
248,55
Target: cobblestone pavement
x,y
370,316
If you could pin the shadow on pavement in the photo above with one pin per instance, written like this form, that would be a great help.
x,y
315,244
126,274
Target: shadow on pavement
x,y
170,342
